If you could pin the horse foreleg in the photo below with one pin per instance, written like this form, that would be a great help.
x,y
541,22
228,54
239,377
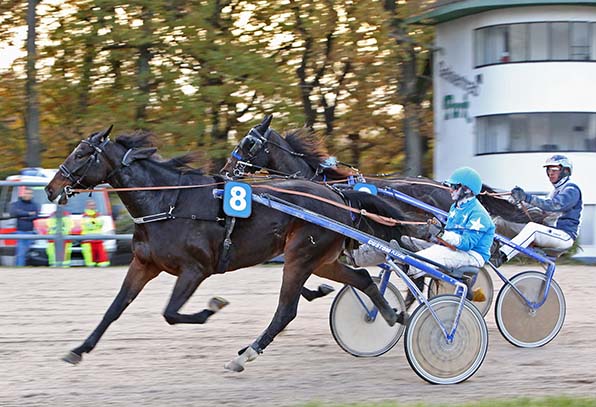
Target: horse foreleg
x,y
360,279
137,276
186,284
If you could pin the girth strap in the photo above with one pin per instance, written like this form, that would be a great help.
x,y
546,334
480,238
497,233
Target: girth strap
x,y
224,258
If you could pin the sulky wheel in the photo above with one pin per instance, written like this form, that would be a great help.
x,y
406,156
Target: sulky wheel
x,y
518,322
353,329
483,281
431,355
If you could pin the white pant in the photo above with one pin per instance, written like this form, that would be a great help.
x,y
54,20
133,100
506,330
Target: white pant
x,y
366,256
542,236
450,258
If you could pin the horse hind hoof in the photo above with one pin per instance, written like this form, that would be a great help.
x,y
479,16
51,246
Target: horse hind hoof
x,y
72,358
402,317
234,366
326,289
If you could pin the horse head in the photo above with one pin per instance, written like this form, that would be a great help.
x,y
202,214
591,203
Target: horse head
x,y
251,153
92,162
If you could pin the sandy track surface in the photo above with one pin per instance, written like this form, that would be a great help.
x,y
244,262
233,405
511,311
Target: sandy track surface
x,y
143,361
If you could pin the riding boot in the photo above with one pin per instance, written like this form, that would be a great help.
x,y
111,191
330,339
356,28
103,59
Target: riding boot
x,y
411,298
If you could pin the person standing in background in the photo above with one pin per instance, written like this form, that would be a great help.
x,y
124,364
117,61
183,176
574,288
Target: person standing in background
x,y
26,211
94,251
67,226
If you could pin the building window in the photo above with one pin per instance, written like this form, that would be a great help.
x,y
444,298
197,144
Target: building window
x,y
544,41
593,42
518,42
580,41
536,132
559,40
538,41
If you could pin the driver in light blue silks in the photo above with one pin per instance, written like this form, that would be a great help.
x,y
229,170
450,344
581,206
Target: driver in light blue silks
x,y
469,229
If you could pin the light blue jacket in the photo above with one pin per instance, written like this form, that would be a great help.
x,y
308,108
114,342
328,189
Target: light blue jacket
x,y
473,223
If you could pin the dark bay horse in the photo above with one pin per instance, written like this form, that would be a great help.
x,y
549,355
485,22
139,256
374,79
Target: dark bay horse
x,y
180,231
300,154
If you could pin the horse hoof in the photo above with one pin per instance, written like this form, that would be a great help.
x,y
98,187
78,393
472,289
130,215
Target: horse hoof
x,y
325,289
215,304
234,366
402,318
72,358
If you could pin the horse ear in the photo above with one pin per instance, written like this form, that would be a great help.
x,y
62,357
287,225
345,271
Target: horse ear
x,y
105,133
265,123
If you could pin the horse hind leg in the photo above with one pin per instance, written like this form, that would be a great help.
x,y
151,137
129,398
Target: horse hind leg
x,y
295,274
361,280
137,277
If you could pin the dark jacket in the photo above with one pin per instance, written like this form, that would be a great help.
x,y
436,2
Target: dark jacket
x,y
21,210
567,200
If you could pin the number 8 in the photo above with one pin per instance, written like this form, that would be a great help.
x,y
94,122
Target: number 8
x,y
237,198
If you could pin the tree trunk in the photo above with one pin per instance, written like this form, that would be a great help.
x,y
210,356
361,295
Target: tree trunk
x,y
412,88
144,70
411,121
355,150
33,154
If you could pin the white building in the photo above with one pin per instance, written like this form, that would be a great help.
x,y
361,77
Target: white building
x,y
515,82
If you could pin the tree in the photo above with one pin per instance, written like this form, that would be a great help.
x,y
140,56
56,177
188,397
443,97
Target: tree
x,y
197,72
414,85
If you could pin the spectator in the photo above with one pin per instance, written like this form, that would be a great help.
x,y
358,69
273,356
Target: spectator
x,y
94,251
67,226
25,210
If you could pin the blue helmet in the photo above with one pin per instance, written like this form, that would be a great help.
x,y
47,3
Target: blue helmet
x,y
468,177
559,160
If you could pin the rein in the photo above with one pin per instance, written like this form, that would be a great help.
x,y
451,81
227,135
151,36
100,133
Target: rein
x,y
168,215
384,220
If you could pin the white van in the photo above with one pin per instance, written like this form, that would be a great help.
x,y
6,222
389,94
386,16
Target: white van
x,y
74,208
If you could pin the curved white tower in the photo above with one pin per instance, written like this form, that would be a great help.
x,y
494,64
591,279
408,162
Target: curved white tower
x,y
514,83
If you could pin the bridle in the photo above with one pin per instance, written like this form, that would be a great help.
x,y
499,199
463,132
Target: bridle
x,y
72,176
253,144
99,149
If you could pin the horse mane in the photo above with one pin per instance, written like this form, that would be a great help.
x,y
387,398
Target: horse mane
x,y
507,210
143,139
306,142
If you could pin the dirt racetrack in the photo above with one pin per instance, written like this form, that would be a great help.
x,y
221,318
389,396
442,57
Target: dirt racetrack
x,y
143,361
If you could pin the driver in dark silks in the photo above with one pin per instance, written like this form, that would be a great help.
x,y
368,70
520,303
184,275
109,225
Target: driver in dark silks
x,y
565,200
469,231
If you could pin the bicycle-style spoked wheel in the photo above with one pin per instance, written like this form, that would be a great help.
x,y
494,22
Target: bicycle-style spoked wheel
x,y
519,323
431,355
483,282
353,329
